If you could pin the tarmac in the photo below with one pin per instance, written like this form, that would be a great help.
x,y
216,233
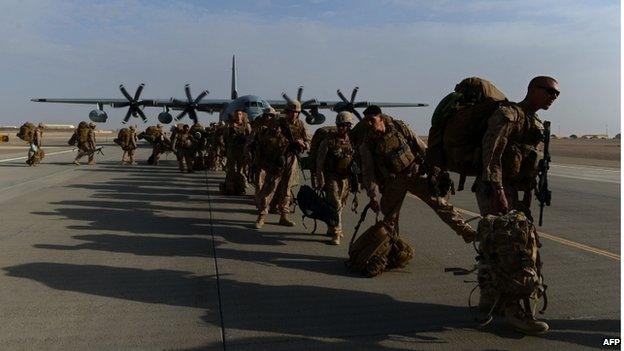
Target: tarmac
x,y
112,257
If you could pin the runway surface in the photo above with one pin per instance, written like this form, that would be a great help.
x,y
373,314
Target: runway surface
x,y
110,257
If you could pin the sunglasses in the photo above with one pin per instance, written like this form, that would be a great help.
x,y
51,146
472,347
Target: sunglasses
x,y
551,91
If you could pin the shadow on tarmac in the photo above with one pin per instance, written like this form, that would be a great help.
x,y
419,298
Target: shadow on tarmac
x,y
353,319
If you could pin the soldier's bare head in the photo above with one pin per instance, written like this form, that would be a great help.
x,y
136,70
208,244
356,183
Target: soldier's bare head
x,y
374,119
541,93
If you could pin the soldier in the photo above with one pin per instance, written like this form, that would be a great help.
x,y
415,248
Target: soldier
x,y
85,142
279,145
35,152
130,146
391,157
332,169
258,125
159,145
510,166
182,146
235,137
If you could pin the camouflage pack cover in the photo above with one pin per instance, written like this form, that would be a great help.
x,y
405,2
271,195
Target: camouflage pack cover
x,y
508,249
124,138
27,132
458,124
378,249
151,134
82,133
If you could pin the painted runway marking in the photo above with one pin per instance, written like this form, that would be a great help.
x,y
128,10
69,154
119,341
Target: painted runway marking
x,y
586,173
25,157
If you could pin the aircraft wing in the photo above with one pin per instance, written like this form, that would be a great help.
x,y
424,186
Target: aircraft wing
x,y
341,105
94,101
178,104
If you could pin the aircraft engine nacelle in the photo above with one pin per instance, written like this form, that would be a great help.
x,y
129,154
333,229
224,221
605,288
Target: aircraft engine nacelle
x,y
315,117
165,117
98,116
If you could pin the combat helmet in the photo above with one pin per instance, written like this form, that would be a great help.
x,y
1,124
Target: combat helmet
x,y
270,111
293,105
344,117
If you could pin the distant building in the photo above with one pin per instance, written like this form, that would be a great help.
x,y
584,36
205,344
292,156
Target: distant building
x,y
595,136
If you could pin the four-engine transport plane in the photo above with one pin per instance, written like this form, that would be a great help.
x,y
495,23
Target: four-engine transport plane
x,y
253,105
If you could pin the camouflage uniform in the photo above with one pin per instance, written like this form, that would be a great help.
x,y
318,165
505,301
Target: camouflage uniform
x,y
159,145
258,125
183,148
510,158
235,137
378,160
332,172
35,147
280,164
129,149
86,146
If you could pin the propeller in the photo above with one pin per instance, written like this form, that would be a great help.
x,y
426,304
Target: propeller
x,y
348,105
312,104
190,106
134,104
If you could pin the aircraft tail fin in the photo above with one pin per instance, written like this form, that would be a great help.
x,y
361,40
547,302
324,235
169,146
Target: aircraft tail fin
x,y
234,91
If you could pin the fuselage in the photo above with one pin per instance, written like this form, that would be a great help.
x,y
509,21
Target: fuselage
x,y
252,105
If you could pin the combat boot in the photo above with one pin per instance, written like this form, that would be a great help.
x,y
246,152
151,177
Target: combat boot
x,y
285,221
76,163
522,321
336,239
260,221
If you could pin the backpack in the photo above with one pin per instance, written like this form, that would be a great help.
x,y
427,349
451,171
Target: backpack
x,y
235,184
315,206
151,134
508,250
82,134
309,162
123,138
27,132
378,249
458,125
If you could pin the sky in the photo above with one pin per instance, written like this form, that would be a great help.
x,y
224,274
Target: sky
x,y
394,50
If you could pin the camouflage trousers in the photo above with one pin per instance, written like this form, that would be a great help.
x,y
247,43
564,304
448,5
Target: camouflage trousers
x,y
235,166
336,191
185,160
277,186
128,156
394,191
82,151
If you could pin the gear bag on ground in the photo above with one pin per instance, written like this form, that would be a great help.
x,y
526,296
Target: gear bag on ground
x,y
509,253
378,249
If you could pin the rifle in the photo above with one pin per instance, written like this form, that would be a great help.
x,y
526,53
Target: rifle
x,y
293,147
93,151
542,193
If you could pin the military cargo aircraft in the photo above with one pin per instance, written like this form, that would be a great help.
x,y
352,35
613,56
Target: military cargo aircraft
x,y
253,105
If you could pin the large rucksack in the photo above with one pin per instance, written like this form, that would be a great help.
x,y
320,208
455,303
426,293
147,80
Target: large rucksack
x,y
378,249
82,133
27,132
124,138
458,125
508,252
151,134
